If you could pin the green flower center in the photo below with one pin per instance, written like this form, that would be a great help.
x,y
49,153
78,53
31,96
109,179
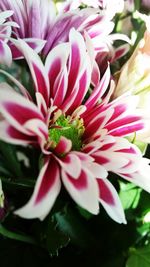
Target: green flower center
x,y
72,129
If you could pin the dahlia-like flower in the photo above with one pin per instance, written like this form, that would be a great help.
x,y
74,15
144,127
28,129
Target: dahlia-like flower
x,y
81,138
38,20
5,33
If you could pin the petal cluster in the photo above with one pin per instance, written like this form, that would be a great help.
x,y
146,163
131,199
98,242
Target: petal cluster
x,y
43,27
68,86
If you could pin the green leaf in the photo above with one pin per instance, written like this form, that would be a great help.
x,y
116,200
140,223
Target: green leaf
x,y
87,215
129,195
139,257
16,236
26,183
69,222
55,239
142,146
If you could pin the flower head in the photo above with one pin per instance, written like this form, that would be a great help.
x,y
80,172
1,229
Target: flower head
x,y
81,140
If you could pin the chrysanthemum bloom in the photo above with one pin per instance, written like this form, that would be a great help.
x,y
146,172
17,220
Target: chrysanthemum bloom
x,y
81,139
39,20
5,33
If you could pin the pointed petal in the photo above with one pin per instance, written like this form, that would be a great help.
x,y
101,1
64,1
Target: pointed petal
x,y
141,177
11,135
120,52
63,147
21,88
17,109
109,199
36,44
99,90
5,54
45,193
55,63
83,190
37,69
76,59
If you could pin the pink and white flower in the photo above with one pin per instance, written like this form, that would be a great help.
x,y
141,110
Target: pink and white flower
x,y
81,140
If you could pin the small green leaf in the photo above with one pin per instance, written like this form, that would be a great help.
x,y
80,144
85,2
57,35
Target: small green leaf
x,y
87,215
26,183
16,236
55,239
129,195
139,257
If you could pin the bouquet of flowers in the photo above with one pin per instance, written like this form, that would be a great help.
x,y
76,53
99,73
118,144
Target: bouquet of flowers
x,y
74,132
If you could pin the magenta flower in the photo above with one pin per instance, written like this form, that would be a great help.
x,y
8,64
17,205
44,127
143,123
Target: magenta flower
x,y
81,140
39,21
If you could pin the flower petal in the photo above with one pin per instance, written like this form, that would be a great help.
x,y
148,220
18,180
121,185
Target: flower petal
x,y
99,90
18,110
141,177
37,69
45,193
71,165
83,190
5,54
64,146
11,135
34,43
109,199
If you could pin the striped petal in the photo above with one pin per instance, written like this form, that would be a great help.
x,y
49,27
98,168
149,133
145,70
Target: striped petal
x,y
99,90
10,135
56,67
71,164
37,69
20,113
63,147
45,193
83,190
109,199
76,59
34,43
118,155
141,176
